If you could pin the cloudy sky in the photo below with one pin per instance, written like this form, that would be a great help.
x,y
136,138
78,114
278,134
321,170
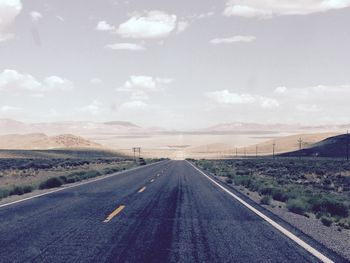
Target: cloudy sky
x,y
175,64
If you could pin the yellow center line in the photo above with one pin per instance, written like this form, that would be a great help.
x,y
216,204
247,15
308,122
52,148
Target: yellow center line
x,y
114,213
142,189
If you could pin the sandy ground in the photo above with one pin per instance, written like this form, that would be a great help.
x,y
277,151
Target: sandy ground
x,y
182,146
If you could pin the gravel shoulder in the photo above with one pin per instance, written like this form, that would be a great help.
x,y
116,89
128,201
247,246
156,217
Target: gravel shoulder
x,y
332,237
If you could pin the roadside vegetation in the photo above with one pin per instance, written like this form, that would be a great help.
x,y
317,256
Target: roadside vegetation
x,y
23,175
306,187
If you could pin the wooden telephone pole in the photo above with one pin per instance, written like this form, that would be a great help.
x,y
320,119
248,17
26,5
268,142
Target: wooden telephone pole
x,y
273,150
347,145
136,149
300,141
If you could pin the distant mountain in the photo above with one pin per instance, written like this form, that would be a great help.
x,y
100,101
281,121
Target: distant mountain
x,y
9,126
241,126
121,123
82,128
42,141
331,147
277,127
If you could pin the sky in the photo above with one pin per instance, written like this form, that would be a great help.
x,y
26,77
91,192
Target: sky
x,y
175,64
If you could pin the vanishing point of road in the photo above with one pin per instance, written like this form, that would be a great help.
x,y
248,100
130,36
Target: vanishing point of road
x,y
164,212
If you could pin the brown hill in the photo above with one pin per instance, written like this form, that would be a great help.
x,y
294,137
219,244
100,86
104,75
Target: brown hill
x,y
42,141
287,143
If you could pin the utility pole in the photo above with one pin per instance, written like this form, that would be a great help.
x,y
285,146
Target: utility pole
x,y
236,153
300,141
136,149
347,145
256,151
273,150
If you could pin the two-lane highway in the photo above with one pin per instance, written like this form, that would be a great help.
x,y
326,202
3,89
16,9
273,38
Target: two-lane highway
x,y
166,212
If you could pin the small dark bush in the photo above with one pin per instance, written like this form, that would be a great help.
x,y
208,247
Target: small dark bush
x,y
266,200
229,181
20,190
266,189
298,206
4,192
63,179
50,183
345,223
326,221
329,205
279,195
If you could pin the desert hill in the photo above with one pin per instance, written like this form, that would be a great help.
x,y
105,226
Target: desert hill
x,y
81,128
287,143
335,146
43,141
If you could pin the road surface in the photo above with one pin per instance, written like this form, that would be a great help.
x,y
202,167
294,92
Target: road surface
x,y
166,212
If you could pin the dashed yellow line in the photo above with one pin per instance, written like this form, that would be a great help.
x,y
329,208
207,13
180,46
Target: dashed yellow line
x,y
114,213
142,189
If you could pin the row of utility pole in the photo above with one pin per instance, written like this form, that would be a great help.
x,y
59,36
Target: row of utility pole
x,y
300,144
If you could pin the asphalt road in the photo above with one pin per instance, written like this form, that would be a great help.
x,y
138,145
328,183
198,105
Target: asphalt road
x,y
166,212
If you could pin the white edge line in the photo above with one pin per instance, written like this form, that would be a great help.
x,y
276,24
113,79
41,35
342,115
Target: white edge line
x,y
78,184
286,232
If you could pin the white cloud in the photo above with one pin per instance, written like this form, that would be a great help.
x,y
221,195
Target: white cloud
x,y
94,108
12,80
60,18
9,10
308,107
38,95
57,83
164,81
136,104
268,102
182,26
233,39
141,87
226,97
271,8
280,90
315,98
104,26
126,46
205,15
7,108
230,98
318,92
35,16
152,24
96,81
146,83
